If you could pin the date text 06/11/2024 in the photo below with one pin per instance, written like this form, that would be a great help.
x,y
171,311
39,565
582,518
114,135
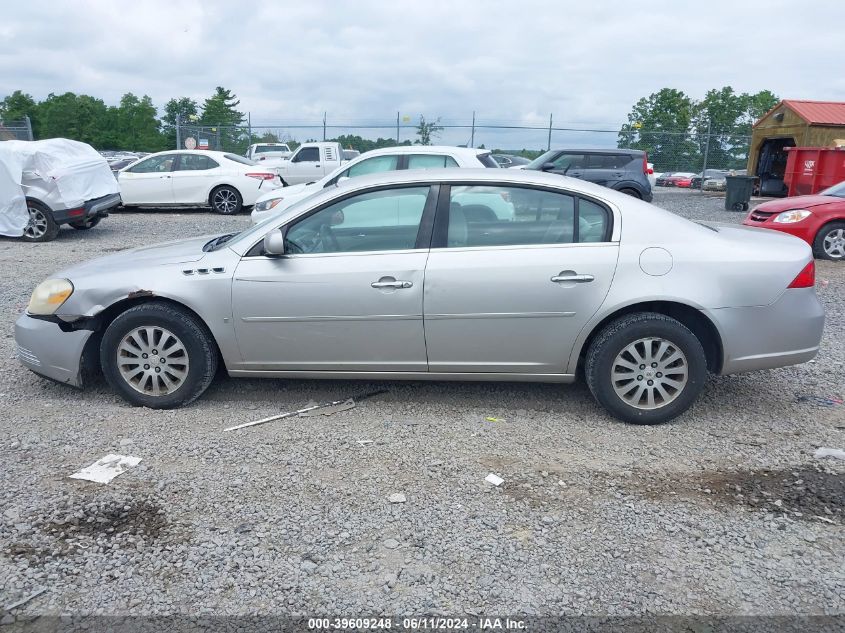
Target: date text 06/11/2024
x,y
417,624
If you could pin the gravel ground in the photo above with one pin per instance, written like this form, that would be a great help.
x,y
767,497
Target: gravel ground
x,y
723,511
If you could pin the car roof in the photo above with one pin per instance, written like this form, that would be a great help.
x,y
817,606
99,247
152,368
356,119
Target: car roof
x,y
481,176
468,152
206,152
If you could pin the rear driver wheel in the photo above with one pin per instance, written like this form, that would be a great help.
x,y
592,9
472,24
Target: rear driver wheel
x,y
84,225
226,200
41,226
646,368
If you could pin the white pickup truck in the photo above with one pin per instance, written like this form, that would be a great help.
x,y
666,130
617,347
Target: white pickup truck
x,y
310,162
268,152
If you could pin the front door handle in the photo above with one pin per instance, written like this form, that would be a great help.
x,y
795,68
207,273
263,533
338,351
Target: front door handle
x,y
392,284
572,278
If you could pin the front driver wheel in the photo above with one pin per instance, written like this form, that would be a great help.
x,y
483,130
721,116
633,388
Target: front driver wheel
x,y
646,368
226,200
830,242
159,356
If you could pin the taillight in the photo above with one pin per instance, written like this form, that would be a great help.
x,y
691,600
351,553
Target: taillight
x,y
262,176
76,212
806,278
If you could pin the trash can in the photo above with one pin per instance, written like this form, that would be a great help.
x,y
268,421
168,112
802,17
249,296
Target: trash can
x,y
738,192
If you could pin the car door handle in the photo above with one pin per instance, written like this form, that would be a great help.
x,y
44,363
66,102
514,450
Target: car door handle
x,y
572,278
392,284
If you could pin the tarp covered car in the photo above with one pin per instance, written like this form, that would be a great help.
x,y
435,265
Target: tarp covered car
x,y
62,181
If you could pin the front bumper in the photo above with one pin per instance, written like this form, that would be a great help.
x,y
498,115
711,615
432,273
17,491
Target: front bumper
x,y
45,349
787,332
804,230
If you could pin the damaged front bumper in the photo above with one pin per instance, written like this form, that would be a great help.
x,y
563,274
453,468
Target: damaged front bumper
x,y
46,349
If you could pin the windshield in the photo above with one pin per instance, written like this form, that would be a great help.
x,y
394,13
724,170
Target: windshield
x,y
542,159
837,191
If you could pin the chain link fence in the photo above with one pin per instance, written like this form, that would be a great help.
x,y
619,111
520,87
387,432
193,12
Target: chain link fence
x,y
685,151
16,130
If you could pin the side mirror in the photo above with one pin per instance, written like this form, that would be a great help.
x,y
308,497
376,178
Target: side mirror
x,y
548,167
274,244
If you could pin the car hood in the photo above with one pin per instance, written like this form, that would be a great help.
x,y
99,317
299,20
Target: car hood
x,y
286,191
798,202
174,252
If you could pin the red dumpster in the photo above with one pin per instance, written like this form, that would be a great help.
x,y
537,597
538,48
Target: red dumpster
x,y
811,169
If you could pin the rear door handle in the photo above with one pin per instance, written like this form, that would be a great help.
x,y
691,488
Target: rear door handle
x,y
572,278
396,283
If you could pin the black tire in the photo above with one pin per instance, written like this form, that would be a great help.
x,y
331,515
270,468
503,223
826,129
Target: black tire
x,y
84,225
625,331
42,226
226,200
818,243
192,333
631,192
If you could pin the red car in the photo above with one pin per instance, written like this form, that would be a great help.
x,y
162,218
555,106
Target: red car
x,y
819,220
684,181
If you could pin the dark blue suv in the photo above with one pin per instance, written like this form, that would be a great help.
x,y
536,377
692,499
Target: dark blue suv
x,y
624,170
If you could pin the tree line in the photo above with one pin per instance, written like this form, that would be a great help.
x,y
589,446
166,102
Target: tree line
x,y
135,125
676,129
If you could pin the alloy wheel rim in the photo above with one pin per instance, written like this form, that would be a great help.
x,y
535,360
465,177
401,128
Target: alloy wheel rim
x,y
37,225
650,373
225,200
834,243
153,361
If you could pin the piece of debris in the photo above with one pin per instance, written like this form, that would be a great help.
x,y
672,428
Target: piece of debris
x,y
825,519
391,543
25,599
396,497
821,401
329,410
313,407
838,453
492,419
107,468
494,479
364,442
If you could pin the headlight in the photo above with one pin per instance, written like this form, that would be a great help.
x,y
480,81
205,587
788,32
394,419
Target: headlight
x,y
267,204
796,215
49,296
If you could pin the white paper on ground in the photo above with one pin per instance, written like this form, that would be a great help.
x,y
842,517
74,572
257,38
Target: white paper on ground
x,y
104,470
838,453
494,479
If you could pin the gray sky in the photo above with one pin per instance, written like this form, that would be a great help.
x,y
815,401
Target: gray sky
x,y
513,62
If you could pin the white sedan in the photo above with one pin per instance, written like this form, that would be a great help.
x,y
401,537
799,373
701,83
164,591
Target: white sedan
x,y
225,182
396,158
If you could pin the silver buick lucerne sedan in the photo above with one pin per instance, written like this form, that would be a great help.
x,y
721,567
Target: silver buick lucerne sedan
x,y
439,275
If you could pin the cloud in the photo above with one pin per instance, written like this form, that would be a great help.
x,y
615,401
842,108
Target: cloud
x,y
510,62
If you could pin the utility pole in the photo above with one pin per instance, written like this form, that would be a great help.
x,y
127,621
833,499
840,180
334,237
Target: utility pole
x,y
472,136
249,127
549,144
178,131
324,126
706,152
397,128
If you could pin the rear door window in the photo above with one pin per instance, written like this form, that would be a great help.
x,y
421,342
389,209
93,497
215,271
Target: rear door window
x,y
520,216
195,162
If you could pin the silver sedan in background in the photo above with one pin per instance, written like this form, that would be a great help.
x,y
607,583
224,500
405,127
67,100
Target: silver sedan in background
x,y
414,275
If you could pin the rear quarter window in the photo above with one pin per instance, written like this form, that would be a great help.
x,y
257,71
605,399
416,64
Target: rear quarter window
x,y
488,161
